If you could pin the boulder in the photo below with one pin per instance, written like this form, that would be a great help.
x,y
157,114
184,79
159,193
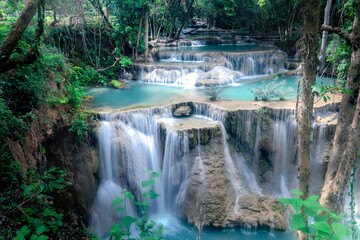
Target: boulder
x,y
183,111
262,212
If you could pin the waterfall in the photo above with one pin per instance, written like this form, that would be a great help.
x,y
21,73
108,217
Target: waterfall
x,y
132,142
104,216
190,69
174,170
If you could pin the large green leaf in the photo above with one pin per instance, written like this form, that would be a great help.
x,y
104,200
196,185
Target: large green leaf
x,y
298,221
40,230
149,183
297,192
322,226
117,201
297,203
127,220
129,195
339,231
319,218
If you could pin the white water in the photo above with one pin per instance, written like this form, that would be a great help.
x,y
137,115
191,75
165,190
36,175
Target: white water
x,y
193,67
131,143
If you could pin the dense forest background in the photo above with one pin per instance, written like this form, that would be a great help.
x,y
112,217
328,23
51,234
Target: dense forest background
x,y
58,47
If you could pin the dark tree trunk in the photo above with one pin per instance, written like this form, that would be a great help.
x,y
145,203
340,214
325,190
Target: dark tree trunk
x,y
98,7
346,140
33,53
325,34
138,38
309,58
146,37
17,30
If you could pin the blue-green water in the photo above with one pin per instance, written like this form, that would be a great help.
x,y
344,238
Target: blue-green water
x,y
176,229
140,94
137,94
243,93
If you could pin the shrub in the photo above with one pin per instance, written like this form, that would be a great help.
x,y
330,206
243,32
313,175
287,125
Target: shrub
x,y
213,92
271,89
79,126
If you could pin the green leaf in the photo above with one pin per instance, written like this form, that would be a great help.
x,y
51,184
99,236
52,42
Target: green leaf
x,y
129,195
144,235
310,212
322,226
298,221
297,192
319,218
155,174
297,203
335,216
117,201
120,209
127,220
43,237
149,183
40,230
339,231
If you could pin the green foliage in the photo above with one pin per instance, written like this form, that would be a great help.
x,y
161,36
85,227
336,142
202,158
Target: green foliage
x,y
325,226
87,76
352,221
271,89
43,218
79,126
324,90
117,84
338,53
128,14
148,229
125,62
26,200
213,92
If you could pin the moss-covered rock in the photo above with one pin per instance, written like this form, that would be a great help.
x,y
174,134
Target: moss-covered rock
x,y
117,84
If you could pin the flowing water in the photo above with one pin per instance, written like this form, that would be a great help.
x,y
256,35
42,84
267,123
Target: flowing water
x,y
133,142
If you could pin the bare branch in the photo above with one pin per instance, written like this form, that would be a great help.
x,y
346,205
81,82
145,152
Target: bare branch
x,y
103,69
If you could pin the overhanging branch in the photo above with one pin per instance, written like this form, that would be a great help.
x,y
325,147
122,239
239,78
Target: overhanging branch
x,y
343,34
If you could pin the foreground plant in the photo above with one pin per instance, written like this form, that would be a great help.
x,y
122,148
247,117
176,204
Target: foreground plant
x,y
148,229
326,225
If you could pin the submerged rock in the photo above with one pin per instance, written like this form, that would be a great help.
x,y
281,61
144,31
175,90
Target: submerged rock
x,y
259,212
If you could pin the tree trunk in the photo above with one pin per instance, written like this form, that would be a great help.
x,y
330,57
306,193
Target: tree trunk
x,y
33,51
17,30
177,34
333,191
107,10
309,58
146,37
138,38
342,151
325,34
98,7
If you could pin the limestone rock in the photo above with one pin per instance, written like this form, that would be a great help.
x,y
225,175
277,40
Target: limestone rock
x,y
259,212
183,111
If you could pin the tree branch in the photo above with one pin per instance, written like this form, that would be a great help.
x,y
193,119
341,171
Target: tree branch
x,y
344,35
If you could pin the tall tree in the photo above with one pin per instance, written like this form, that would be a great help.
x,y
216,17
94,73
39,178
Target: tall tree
x,y
309,58
14,35
346,140
146,36
325,34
